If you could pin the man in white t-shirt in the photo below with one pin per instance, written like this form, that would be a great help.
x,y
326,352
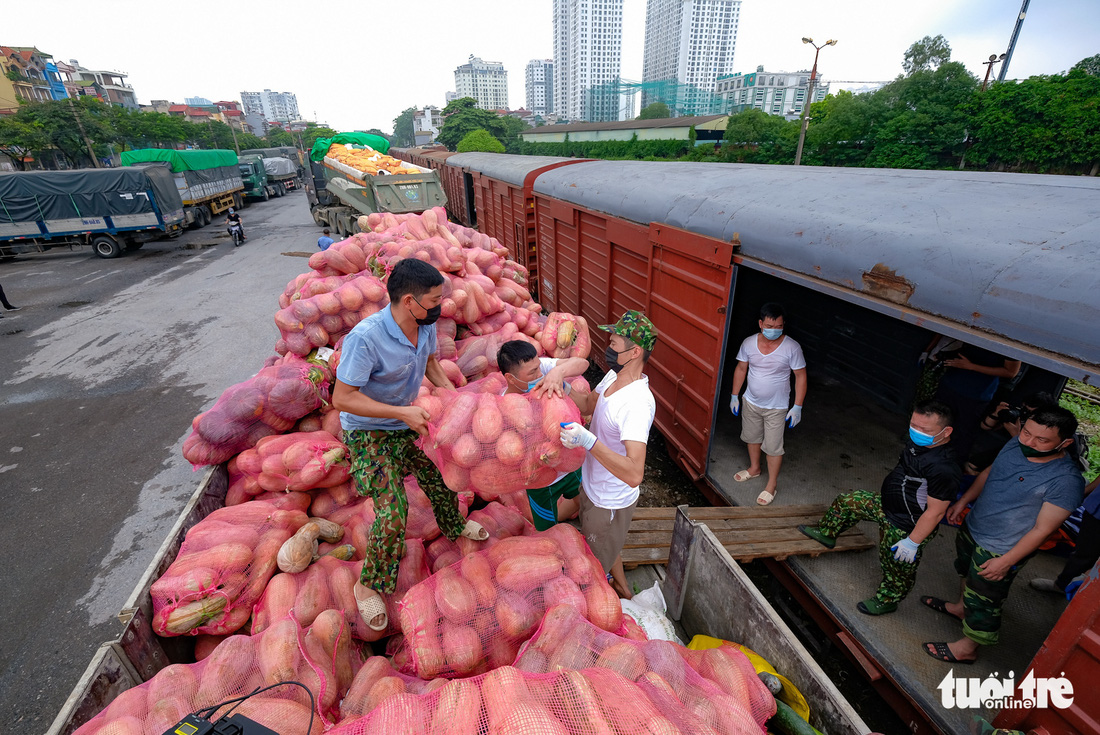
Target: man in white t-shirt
x,y
526,372
764,366
622,408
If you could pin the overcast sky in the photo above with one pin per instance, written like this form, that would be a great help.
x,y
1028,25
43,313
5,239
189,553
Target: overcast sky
x,y
356,65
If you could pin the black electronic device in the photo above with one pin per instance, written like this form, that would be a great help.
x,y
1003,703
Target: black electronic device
x,y
232,725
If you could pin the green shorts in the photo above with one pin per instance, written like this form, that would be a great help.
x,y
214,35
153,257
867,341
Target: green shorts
x,y
544,500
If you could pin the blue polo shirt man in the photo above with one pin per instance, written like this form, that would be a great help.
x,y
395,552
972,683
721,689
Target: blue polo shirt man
x,y
383,361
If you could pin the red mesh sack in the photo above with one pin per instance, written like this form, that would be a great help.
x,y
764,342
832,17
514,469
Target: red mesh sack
x,y
321,658
565,640
631,630
325,585
474,615
376,682
326,418
346,257
321,320
328,500
266,404
524,317
420,522
499,522
221,570
495,444
477,356
357,519
298,461
565,335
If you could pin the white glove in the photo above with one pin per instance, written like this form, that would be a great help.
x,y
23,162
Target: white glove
x,y
905,550
794,416
574,435
922,359
735,405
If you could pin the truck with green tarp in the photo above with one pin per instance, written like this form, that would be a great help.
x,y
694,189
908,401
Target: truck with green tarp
x,y
111,210
267,177
208,181
338,194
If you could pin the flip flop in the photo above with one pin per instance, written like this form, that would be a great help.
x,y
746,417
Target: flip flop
x,y
475,531
371,608
938,605
744,475
765,498
943,653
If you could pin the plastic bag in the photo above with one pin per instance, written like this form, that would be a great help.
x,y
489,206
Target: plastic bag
x,y
648,611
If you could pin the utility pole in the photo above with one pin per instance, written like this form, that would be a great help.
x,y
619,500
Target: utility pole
x,y
809,98
233,132
79,124
1012,41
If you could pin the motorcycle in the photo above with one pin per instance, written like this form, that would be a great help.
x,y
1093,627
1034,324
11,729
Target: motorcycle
x,y
237,233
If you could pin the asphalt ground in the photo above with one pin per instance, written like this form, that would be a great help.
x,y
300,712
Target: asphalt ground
x,y
106,364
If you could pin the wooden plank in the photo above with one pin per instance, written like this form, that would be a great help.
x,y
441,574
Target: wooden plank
x,y
734,537
737,511
747,552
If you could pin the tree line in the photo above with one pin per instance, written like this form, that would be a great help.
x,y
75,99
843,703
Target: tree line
x,y
465,128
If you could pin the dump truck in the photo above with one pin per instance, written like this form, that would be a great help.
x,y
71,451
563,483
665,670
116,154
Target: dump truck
x,y
267,177
110,210
339,193
208,181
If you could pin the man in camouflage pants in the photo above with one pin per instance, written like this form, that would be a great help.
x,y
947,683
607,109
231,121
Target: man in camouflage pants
x,y
383,361
913,500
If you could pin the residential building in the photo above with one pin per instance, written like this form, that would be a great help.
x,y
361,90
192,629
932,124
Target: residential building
x,y
273,106
540,86
255,123
702,128
688,45
587,59
450,97
57,87
24,77
109,86
426,124
485,81
776,93
160,106
197,101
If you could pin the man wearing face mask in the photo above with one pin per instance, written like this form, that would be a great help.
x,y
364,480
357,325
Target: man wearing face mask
x,y
913,500
1030,489
622,408
543,377
764,366
383,361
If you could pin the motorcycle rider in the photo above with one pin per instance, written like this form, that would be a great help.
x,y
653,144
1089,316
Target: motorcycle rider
x,y
231,219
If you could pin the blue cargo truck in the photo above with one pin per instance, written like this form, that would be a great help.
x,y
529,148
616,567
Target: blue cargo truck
x,y
110,210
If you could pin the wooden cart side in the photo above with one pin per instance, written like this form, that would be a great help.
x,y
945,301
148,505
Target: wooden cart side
x,y
137,654
721,601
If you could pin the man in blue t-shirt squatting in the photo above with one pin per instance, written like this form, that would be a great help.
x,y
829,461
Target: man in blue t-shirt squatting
x,y
1023,497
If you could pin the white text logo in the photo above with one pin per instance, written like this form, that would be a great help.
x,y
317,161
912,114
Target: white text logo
x,y
994,693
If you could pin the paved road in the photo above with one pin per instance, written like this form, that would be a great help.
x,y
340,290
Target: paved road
x,y
106,364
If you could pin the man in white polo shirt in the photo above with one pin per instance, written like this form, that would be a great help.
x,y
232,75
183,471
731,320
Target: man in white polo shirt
x,y
764,364
622,408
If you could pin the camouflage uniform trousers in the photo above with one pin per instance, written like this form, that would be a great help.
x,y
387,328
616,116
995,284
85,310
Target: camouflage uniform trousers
x,y
860,505
380,462
983,599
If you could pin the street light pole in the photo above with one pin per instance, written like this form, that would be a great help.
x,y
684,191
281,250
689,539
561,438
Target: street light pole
x,y
809,97
993,59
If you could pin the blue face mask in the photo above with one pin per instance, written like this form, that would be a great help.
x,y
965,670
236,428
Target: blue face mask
x,y
773,333
531,385
921,439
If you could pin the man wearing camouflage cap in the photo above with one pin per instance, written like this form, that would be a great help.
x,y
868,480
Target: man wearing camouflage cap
x,y
622,409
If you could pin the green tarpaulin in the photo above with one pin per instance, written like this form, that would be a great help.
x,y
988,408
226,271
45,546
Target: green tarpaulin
x,y
182,160
321,145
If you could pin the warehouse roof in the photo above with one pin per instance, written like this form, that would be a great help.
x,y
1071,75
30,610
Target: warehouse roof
x,y
667,122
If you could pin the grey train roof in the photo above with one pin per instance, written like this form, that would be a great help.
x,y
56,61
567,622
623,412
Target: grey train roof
x,y
507,168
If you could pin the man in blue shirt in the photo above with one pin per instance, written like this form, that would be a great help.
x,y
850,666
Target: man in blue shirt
x,y
383,361
1019,500
324,240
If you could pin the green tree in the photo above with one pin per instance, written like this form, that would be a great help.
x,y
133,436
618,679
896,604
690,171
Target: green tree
x,y
313,132
655,111
404,135
278,137
20,139
753,136
480,140
1090,66
512,127
926,54
462,116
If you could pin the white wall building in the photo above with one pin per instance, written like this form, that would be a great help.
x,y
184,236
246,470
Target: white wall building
x,y
689,44
588,38
426,124
540,86
485,81
273,106
776,93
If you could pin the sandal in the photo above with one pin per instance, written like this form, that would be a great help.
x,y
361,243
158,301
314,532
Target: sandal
x,y
744,475
371,608
475,531
943,653
765,498
938,605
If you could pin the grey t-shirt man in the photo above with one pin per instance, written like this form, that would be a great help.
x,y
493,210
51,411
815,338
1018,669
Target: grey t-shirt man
x,y
1014,493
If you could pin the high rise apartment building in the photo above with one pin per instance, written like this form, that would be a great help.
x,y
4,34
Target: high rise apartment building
x,y
588,38
272,106
540,86
485,81
688,45
774,92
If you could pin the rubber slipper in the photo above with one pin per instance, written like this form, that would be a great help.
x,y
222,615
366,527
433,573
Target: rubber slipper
x,y
765,498
943,653
475,531
938,605
744,475
371,608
